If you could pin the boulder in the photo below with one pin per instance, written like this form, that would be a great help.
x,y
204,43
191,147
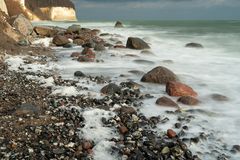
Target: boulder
x,y
79,74
110,89
159,75
219,97
179,89
45,31
99,47
78,41
188,100
165,101
136,43
75,54
88,53
194,45
75,28
118,24
22,24
60,40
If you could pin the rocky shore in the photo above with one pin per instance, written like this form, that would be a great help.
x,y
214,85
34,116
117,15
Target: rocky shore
x,y
37,124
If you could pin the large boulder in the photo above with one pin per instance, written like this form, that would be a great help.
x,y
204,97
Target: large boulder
x,y
194,45
60,40
75,28
159,75
22,24
136,43
118,24
179,89
46,31
165,101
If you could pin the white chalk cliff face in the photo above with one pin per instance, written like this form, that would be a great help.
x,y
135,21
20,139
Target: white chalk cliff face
x,y
3,6
35,10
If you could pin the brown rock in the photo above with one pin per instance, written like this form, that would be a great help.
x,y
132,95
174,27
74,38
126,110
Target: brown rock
x,y
188,100
179,89
110,89
85,59
171,133
165,101
128,110
78,41
87,145
159,75
75,54
60,40
45,31
123,129
88,52
119,46
136,43
219,97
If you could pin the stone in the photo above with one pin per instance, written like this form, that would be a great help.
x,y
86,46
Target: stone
x,y
118,24
45,31
75,28
159,75
60,40
123,129
23,42
188,100
127,110
136,43
85,59
179,89
75,54
88,52
78,41
99,47
165,101
79,74
171,133
22,24
87,145
194,45
165,150
119,46
110,89
219,97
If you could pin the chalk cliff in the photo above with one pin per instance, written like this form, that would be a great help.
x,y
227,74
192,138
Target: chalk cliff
x,y
3,6
36,10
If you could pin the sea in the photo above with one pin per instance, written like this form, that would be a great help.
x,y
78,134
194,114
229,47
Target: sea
x,y
214,69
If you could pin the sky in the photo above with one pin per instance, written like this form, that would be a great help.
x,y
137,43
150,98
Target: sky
x,y
157,9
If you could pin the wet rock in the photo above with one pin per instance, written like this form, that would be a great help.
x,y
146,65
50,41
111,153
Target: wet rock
x,y
136,43
110,89
119,46
23,42
99,47
141,61
75,28
85,59
127,110
45,31
146,52
78,41
22,24
219,97
75,54
89,45
27,108
118,24
171,133
179,89
105,34
60,40
95,32
235,149
87,145
79,74
88,52
69,45
178,125
159,75
188,100
194,45
136,72
165,101
123,129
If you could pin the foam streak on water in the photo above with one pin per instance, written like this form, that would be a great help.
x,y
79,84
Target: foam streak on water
x,y
214,69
